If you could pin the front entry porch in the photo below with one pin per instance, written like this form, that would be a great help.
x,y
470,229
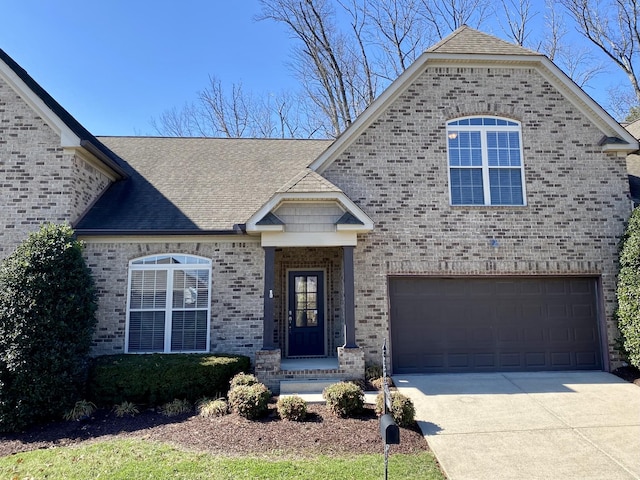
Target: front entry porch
x,y
309,230
309,318
308,375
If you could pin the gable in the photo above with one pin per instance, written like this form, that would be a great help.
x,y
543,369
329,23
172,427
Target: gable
x,y
72,135
457,51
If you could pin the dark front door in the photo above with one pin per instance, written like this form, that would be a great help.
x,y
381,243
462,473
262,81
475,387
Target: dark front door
x,y
306,313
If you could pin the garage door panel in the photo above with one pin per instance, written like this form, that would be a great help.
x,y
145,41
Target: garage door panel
x,y
488,324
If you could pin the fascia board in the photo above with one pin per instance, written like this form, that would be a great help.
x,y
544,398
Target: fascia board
x,y
67,137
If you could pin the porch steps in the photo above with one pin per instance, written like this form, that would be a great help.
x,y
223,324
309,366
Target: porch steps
x,y
305,386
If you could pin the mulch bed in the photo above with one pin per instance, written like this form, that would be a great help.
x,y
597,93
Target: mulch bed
x,y
629,373
321,433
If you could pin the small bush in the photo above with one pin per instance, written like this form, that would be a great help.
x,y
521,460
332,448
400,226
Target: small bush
x,y
344,398
292,408
176,407
243,379
159,378
126,408
250,401
81,410
378,383
372,372
212,408
402,409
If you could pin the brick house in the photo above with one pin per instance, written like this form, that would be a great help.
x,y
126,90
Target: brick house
x,y
470,217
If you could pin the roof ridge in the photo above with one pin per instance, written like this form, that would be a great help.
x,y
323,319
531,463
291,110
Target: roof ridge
x,y
470,40
448,38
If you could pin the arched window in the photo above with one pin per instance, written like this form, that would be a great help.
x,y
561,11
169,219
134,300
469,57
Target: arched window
x,y
485,161
168,306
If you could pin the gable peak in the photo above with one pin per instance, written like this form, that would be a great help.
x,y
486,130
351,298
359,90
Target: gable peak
x,y
468,40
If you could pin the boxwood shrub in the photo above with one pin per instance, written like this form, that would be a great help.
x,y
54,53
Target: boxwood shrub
x,y
344,399
156,379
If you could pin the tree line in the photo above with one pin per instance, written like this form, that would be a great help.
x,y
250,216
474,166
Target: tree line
x,y
346,52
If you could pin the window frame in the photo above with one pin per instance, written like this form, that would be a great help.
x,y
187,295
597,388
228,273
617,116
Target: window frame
x,y
138,264
510,126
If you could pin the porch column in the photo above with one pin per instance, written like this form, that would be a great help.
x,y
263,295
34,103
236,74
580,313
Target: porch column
x,y
349,298
269,286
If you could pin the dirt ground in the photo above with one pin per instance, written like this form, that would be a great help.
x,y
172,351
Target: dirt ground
x,y
321,433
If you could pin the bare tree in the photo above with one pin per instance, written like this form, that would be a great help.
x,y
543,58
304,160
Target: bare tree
x,y
612,26
397,29
518,17
236,113
445,16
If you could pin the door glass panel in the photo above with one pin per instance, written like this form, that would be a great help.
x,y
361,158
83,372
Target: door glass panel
x,y
306,300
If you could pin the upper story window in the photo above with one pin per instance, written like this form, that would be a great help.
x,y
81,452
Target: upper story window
x,y
169,304
485,161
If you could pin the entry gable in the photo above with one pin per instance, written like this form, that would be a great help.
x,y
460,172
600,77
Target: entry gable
x,y
309,211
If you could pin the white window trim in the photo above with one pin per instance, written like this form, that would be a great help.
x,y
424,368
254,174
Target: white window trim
x,y
486,185
169,267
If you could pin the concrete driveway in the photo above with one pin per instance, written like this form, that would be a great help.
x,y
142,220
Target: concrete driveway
x,y
552,425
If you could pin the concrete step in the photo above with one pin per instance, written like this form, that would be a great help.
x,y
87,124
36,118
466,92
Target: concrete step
x,y
369,397
315,386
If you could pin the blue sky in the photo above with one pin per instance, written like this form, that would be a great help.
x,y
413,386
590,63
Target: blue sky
x,y
116,64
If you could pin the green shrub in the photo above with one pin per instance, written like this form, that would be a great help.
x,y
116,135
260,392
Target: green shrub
x,y
372,372
82,409
176,407
249,401
159,378
126,408
243,379
402,409
212,408
628,291
292,408
344,399
47,320
378,383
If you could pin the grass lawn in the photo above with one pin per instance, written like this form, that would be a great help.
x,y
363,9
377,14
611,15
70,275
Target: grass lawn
x,y
138,459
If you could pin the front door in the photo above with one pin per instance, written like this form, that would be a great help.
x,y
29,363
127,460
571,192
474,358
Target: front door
x,y
306,313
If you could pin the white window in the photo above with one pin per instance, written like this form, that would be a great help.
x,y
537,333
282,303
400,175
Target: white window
x,y
485,161
169,304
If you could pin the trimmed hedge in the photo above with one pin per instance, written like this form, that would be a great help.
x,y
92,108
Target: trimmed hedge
x,y
47,319
160,378
628,292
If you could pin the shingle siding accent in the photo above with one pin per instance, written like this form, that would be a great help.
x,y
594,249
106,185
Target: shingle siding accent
x,y
236,291
39,181
397,172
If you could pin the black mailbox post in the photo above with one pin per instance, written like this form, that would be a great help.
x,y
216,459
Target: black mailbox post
x,y
389,430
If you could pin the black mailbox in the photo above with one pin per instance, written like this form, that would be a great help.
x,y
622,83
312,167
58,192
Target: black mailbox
x,y
389,430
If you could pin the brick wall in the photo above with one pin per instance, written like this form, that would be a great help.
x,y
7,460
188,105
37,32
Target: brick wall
x,y
39,182
396,171
236,296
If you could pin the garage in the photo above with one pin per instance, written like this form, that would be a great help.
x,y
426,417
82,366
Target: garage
x,y
489,324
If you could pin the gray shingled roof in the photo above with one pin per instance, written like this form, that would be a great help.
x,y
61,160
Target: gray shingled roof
x,y
468,40
195,184
308,181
